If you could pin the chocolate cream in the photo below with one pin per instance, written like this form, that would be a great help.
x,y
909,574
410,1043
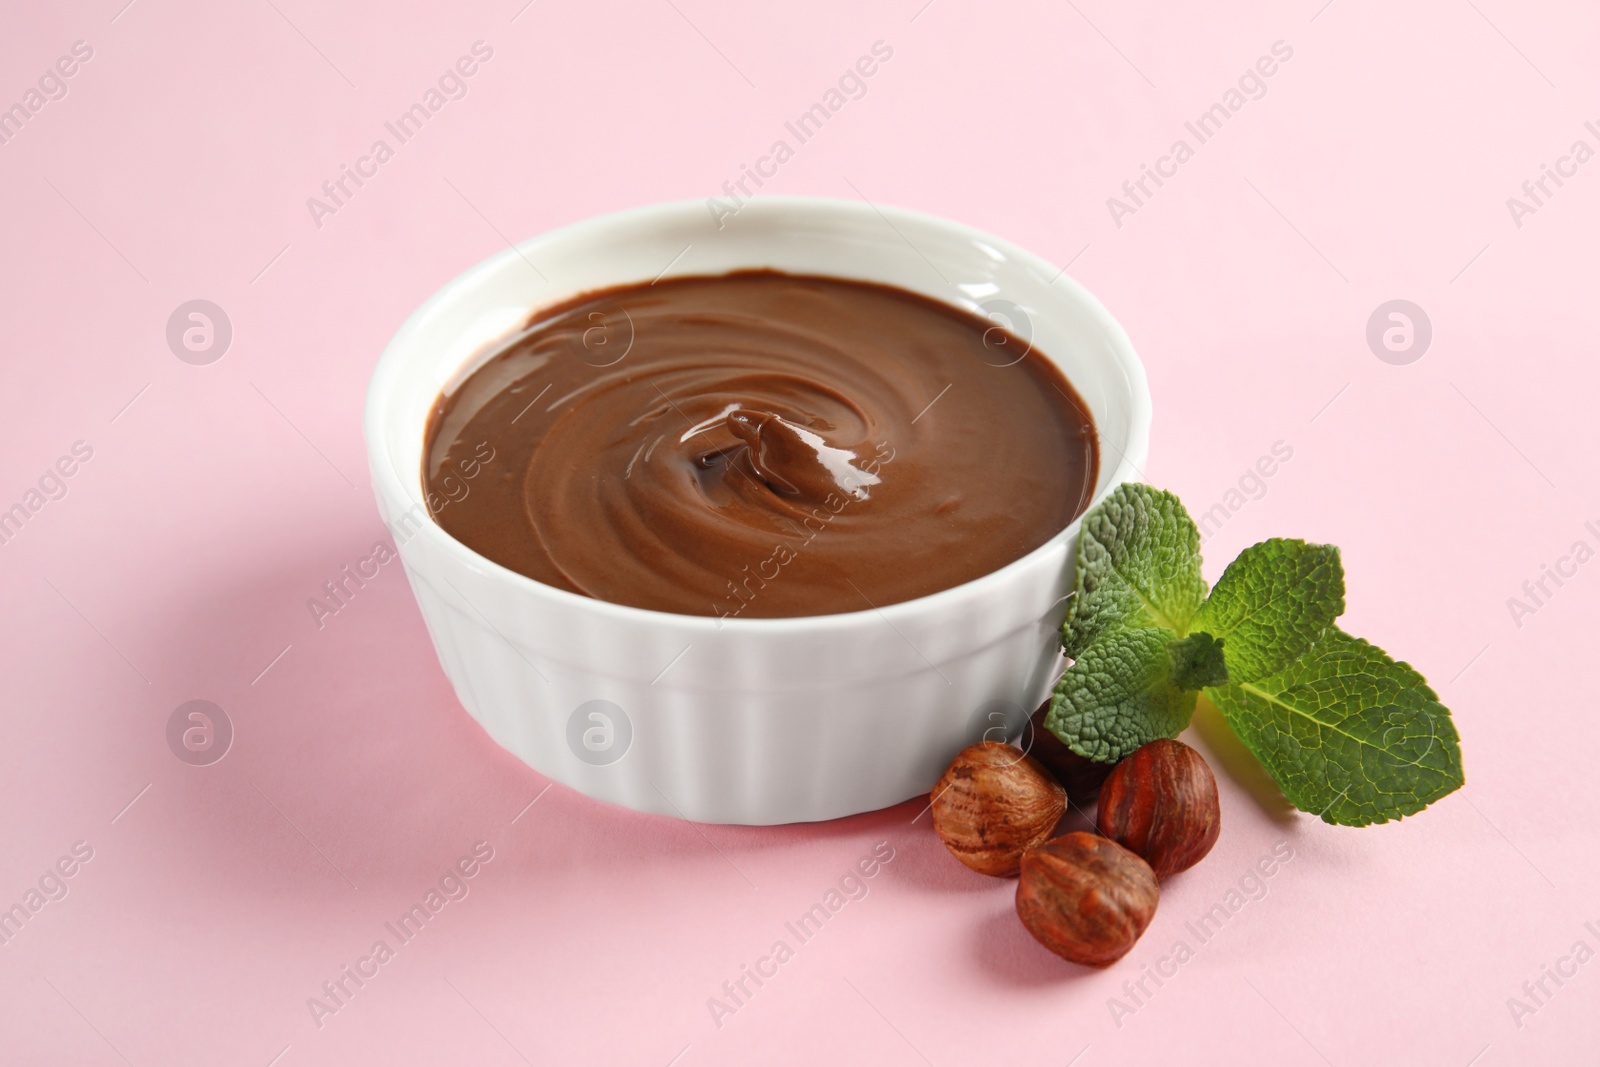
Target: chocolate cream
x,y
759,444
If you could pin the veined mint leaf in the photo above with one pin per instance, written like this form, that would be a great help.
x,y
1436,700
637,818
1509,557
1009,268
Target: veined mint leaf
x,y
1197,661
1118,695
1138,565
1348,733
1272,603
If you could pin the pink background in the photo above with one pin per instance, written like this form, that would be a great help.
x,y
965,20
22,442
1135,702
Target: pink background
x,y
178,566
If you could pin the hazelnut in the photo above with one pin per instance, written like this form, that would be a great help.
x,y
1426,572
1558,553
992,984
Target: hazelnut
x,y
1161,802
1085,898
1080,775
993,802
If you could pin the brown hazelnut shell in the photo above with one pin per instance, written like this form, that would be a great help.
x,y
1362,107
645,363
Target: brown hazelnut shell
x,y
1161,803
994,802
1085,898
1080,776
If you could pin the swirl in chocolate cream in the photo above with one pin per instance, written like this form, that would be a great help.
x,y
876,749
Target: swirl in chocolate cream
x,y
759,444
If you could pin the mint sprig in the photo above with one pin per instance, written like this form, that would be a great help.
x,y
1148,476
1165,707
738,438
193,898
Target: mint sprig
x,y
1119,694
1138,566
1347,732
1272,604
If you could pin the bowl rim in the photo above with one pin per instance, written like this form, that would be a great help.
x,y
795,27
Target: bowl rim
x,y
400,349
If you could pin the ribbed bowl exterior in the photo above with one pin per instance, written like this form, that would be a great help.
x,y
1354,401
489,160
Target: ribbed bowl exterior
x,y
753,721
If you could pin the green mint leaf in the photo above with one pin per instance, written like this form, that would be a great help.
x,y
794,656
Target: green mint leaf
x,y
1348,733
1272,604
1118,695
1197,661
1138,565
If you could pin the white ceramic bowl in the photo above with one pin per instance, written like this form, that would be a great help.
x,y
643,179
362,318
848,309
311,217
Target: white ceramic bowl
x,y
743,720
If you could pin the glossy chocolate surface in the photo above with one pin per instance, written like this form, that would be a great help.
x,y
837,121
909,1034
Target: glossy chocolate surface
x,y
759,444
